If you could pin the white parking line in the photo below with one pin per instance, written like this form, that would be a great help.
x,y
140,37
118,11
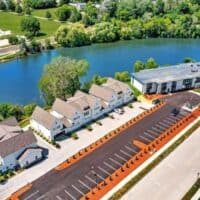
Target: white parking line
x,y
145,138
110,166
170,119
129,155
84,184
102,178
160,127
120,157
163,124
31,195
147,134
91,180
103,170
58,197
168,122
156,129
70,195
153,132
116,162
78,190
41,197
130,149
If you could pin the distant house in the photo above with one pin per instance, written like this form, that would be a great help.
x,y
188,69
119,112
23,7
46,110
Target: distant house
x,y
78,6
167,79
45,123
13,143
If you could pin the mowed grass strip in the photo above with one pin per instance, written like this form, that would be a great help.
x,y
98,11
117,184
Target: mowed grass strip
x,y
42,12
11,21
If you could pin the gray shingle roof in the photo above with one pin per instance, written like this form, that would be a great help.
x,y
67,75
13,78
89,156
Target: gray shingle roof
x,y
43,117
16,143
171,73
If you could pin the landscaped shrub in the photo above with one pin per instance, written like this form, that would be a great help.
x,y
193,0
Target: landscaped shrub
x,y
99,123
74,136
89,127
130,105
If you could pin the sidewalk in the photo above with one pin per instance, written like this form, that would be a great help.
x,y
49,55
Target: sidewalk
x,y
68,148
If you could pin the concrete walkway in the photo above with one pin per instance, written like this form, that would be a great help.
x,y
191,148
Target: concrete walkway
x,y
172,178
68,148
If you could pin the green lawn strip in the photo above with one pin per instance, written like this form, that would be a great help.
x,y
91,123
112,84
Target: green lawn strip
x,y
11,21
42,12
192,190
197,90
154,163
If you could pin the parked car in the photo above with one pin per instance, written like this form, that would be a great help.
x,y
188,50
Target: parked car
x,y
175,111
156,101
119,111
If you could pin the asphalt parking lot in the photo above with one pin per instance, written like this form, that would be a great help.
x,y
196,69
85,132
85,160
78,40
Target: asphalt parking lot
x,y
76,180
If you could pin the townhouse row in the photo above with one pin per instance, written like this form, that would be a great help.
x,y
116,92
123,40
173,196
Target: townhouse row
x,y
68,116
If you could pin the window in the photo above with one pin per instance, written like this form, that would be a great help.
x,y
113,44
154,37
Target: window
x,y
197,80
187,81
86,113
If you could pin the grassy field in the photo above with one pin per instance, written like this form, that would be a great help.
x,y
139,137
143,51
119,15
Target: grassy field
x,y
42,12
10,21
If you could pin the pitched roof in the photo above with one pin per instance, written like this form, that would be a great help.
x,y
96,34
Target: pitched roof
x,y
104,93
10,122
90,99
116,85
43,117
64,108
27,151
16,143
9,128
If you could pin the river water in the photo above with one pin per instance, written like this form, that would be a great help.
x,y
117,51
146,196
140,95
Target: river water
x,y
19,78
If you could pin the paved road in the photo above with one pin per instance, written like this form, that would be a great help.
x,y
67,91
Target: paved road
x,y
78,179
173,177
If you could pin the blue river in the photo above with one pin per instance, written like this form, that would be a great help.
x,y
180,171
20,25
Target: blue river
x,y
19,78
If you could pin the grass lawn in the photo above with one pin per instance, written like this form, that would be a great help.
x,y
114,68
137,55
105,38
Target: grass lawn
x,y
10,21
197,90
42,12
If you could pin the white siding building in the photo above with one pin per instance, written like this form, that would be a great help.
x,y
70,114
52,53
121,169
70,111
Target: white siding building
x,y
45,123
13,142
77,111
167,79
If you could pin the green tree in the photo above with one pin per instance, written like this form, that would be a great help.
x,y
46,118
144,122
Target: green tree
x,y
30,25
91,10
72,36
48,15
28,109
122,76
188,60
11,5
18,9
2,5
13,39
75,15
27,10
184,8
61,78
86,20
138,65
151,63
63,13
